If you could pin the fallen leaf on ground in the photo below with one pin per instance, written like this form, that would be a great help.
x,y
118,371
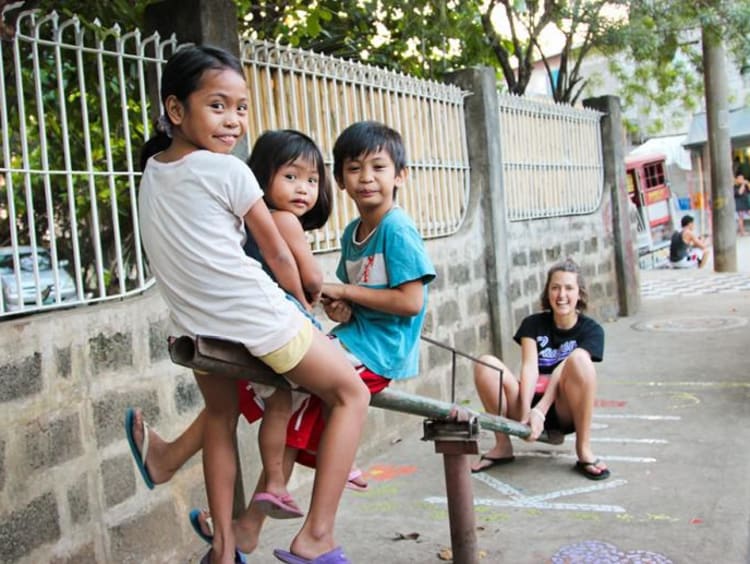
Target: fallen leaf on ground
x,y
407,536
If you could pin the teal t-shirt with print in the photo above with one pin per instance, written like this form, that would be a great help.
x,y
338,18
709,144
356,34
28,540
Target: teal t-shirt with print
x,y
390,256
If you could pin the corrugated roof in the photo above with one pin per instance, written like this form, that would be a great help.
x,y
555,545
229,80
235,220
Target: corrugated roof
x,y
739,129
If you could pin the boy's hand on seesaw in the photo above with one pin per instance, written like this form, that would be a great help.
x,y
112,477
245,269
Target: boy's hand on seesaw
x,y
337,310
335,304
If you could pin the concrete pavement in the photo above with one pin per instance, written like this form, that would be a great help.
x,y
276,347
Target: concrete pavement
x,y
672,422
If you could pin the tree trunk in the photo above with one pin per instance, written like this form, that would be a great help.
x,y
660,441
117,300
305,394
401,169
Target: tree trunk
x,y
720,152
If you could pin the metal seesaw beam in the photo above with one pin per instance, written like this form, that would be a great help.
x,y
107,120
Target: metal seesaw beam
x,y
229,358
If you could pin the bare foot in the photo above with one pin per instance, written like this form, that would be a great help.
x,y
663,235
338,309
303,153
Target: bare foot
x,y
156,449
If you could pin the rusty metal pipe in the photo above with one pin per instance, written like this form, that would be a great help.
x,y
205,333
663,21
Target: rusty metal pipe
x,y
229,358
460,507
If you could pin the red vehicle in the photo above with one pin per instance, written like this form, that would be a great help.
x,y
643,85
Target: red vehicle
x,y
653,207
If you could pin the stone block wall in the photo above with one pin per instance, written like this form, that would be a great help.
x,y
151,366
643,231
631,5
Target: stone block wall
x,y
69,491
587,239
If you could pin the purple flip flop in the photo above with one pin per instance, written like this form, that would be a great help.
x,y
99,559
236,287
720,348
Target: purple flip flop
x,y
335,556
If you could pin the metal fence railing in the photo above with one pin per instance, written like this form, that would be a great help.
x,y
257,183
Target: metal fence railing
x,y
321,95
73,115
77,102
551,158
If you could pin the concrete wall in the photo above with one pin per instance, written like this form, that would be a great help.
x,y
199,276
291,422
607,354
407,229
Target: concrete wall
x,y
68,489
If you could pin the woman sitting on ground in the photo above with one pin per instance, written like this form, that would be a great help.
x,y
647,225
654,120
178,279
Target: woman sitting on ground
x,y
557,386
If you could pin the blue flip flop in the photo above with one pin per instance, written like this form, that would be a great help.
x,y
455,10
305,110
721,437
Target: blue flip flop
x,y
194,514
139,456
335,556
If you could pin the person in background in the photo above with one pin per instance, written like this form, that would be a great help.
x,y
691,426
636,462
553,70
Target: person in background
x,y
741,201
686,249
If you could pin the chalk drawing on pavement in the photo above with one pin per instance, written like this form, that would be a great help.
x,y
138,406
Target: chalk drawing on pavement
x,y
568,456
632,416
605,553
387,472
516,498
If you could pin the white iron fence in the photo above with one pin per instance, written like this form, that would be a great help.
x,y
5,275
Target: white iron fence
x,y
321,95
73,115
76,103
551,158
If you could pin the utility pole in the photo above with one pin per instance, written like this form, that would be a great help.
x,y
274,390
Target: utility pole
x,y
720,151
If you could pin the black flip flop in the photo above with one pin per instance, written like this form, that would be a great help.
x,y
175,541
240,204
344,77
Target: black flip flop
x,y
492,462
582,468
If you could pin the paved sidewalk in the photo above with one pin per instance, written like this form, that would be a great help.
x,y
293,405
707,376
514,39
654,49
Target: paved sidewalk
x,y
672,422
666,283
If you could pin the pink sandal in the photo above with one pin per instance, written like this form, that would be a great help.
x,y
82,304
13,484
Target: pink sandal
x,y
353,484
277,507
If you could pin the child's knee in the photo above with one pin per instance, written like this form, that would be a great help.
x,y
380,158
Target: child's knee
x,y
579,366
353,393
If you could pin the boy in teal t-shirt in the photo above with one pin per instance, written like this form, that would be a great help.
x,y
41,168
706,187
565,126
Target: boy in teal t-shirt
x,y
384,268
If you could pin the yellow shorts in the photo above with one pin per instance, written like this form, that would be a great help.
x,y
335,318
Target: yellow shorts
x,y
282,360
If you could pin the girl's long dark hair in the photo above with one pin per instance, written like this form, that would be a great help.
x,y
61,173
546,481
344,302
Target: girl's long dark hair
x,y
274,149
181,77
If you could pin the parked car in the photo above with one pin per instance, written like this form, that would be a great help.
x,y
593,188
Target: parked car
x,y
9,286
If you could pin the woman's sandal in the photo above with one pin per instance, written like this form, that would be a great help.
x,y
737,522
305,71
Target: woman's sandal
x,y
584,468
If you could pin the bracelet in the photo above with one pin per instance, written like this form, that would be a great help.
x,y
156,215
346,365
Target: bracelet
x,y
538,412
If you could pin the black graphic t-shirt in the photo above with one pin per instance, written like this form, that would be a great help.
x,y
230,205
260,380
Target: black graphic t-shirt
x,y
553,345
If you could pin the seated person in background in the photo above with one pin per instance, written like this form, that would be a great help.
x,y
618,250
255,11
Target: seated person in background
x,y
688,250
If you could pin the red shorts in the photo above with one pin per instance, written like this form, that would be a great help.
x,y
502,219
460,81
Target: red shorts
x,y
308,421
541,383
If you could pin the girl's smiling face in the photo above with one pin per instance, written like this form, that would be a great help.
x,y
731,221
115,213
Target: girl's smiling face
x,y
563,293
214,116
294,187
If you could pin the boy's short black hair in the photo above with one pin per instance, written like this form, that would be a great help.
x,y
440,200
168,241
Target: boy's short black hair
x,y
687,220
363,138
